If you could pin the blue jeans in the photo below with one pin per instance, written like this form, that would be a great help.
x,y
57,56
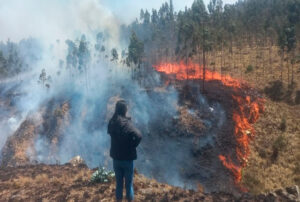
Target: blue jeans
x,y
124,169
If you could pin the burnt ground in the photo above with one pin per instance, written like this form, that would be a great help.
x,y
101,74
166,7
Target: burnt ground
x,y
180,151
20,181
68,183
224,141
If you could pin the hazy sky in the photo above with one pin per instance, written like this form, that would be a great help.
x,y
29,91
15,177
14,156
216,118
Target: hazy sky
x,y
128,10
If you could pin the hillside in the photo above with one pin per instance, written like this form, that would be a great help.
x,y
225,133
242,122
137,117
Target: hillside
x,y
214,89
69,183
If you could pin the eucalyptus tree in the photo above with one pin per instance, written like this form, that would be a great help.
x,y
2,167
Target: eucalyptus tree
x,y
3,65
200,32
135,53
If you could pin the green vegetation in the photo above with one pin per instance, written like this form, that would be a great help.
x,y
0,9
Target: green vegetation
x,y
249,69
102,175
283,124
219,34
297,99
278,146
135,50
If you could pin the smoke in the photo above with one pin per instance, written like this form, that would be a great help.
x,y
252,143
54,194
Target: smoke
x,y
55,20
90,83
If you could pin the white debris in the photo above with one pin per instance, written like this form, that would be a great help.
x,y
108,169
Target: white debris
x,y
77,160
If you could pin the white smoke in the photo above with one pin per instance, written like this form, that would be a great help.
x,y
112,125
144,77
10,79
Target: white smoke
x,y
88,92
51,20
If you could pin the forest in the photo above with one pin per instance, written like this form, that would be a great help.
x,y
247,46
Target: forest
x,y
251,36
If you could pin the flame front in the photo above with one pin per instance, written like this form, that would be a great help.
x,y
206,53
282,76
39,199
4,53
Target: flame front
x,y
244,115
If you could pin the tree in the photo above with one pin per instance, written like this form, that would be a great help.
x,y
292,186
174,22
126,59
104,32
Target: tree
x,y
44,80
200,17
142,15
114,55
184,38
99,41
147,18
135,53
293,18
72,56
135,50
154,17
83,54
84,57
3,65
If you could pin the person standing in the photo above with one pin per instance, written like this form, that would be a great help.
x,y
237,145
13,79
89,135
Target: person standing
x,y
125,138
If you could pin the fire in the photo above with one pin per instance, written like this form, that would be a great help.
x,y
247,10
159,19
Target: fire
x,y
195,71
247,112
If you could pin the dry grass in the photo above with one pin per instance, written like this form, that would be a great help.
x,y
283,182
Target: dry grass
x,y
266,68
67,183
275,154
274,161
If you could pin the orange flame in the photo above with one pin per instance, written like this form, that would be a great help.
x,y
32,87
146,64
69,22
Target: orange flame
x,y
247,112
195,71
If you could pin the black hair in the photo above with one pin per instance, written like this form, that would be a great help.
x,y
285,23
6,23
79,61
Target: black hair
x,y
121,108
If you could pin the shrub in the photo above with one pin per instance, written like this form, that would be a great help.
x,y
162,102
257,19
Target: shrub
x,y
102,175
275,91
283,125
279,145
297,99
249,69
252,182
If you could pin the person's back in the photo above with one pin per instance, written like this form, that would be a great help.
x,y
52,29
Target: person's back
x,y
124,140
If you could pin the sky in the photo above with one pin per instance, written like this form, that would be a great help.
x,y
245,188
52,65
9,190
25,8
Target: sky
x,y
62,19
128,10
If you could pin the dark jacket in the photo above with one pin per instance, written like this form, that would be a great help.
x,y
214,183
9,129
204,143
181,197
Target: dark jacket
x,y
124,138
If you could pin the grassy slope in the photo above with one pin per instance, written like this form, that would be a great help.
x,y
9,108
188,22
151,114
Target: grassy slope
x,y
68,183
275,153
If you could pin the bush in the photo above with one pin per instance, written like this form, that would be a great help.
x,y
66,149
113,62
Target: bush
x,y
102,175
249,69
279,145
297,99
283,125
275,91
254,184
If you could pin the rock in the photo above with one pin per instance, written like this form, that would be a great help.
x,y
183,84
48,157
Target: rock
x,y
271,197
77,161
281,192
290,197
293,190
260,197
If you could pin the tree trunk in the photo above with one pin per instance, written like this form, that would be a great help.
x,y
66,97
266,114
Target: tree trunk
x,y
204,70
293,62
270,57
241,62
281,65
221,67
204,59
214,67
288,66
